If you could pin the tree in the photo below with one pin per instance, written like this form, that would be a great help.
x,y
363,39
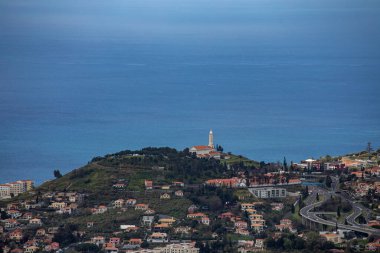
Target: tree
x,y
57,174
145,244
306,192
87,247
288,244
317,196
65,235
270,242
285,164
219,148
3,215
328,181
338,211
293,209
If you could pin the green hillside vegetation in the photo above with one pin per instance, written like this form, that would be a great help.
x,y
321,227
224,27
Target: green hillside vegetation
x,y
163,165
362,155
239,160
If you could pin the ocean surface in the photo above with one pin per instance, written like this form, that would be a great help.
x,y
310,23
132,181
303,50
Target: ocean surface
x,y
272,78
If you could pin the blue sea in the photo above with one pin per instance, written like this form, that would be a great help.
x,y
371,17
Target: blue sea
x,y
272,78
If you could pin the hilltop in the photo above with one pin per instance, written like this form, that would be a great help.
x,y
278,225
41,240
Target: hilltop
x,y
132,168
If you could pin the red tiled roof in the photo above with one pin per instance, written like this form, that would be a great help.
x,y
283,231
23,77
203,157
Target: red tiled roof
x,y
202,147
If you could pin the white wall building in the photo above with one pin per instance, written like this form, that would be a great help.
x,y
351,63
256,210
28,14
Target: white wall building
x,y
180,248
5,191
268,192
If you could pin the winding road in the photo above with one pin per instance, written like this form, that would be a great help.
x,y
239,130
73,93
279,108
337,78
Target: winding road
x,y
311,202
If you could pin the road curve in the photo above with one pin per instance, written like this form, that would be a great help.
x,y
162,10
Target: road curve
x,y
306,213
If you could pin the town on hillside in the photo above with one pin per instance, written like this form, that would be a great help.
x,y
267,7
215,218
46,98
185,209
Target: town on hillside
x,y
201,199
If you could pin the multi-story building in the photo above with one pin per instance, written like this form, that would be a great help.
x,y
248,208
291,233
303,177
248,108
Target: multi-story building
x,y
28,184
268,192
5,191
180,248
58,205
15,188
119,203
158,238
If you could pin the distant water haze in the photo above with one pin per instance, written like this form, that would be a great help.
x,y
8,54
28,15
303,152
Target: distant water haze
x,y
275,78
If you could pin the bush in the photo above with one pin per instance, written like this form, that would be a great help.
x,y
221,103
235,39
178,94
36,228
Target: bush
x,y
87,247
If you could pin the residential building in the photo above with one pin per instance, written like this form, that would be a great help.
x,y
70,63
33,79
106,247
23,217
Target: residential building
x,y
135,241
259,243
277,206
196,215
192,208
31,249
109,248
114,240
165,196
257,227
58,205
14,214
119,186
119,203
158,238
331,237
201,150
245,206
5,191
128,227
178,193
131,202
148,184
179,184
141,207
268,192
234,182
147,220
285,224
241,224
227,215
180,248
16,235
40,232
99,210
10,223
35,221
98,240
205,220
373,246
167,219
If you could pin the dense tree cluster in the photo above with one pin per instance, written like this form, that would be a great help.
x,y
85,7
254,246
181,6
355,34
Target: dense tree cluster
x,y
57,174
65,235
290,242
335,203
87,247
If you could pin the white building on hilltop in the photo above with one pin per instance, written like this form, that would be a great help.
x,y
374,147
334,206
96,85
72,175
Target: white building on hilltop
x,y
203,151
211,139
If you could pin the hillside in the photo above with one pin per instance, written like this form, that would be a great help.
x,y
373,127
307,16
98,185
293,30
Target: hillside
x,y
374,156
164,165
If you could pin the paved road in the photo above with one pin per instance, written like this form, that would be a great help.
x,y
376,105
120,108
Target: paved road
x,y
358,209
306,213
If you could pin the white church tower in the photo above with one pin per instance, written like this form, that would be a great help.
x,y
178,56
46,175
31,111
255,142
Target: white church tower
x,y
211,139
